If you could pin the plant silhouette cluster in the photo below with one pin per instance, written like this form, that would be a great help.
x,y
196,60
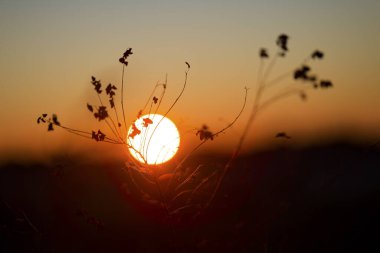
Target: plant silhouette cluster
x,y
299,74
205,134
187,190
53,120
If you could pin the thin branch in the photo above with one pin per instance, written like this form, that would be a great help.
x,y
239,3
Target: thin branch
x,y
278,79
260,71
162,94
281,77
182,193
170,108
187,179
237,117
122,101
29,222
85,134
277,97
167,151
201,184
150,96
219,132
269,69
137,151
118,123
184,208
114,130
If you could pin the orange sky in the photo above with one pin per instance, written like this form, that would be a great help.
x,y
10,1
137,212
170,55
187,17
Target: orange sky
x,y
49,50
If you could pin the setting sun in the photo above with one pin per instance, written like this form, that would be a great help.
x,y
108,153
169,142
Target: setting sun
x,y
153,139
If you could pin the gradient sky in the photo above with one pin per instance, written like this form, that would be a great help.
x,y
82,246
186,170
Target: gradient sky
x,y
49,49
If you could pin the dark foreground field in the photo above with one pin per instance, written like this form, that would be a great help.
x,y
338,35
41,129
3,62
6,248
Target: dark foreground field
x,y
318,199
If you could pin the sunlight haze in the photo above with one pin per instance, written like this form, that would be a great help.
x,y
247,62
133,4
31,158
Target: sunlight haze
x,y
50,49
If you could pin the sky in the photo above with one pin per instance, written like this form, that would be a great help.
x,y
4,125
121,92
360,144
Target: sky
x,y
50,49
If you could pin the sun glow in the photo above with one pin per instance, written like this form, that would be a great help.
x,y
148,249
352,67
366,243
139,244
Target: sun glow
x,y
153,139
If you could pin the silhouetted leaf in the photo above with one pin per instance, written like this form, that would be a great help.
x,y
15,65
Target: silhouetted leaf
x,y
282,42
102,113
303,95
127,53
155,100
317,55
188,65
282,135
101,135
97,84
50,127
55,120
263,53
147,122
110,90
112,103
135,131
90,108
325,84
42,118
98,136
205,134
301,73
139,114
95,136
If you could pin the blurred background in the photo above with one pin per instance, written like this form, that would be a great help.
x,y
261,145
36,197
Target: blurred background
x,y
50,49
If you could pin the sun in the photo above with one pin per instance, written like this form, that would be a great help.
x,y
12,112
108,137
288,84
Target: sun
x,y
153,139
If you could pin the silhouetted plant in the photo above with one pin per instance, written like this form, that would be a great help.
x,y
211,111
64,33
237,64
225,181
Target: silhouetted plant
x,y
141,175
300,74
186,189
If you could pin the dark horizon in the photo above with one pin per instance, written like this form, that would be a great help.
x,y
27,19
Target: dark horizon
x,y
314,199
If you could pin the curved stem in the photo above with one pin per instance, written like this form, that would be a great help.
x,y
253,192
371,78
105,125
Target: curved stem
x,y
237,116
170,108
269,69
278,79
219,132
